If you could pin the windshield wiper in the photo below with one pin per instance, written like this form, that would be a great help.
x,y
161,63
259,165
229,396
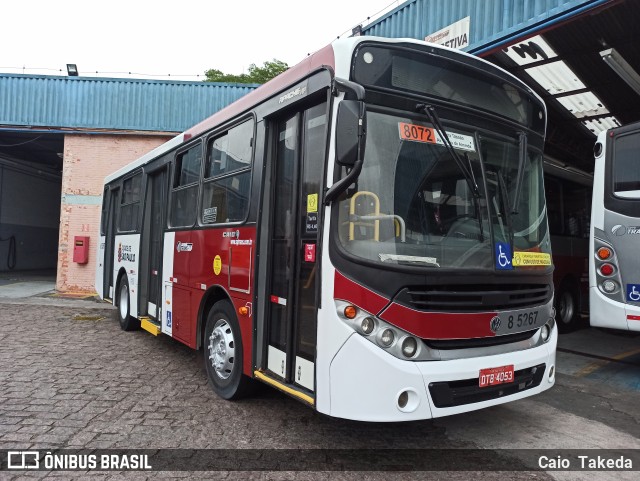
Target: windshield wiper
x,y
435,120
476,203
522,148
507,208
430,111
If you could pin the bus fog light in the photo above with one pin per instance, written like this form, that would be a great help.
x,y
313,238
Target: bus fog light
x,y
552,371
545,331
409,346
403,399
609,286
368,325
386,338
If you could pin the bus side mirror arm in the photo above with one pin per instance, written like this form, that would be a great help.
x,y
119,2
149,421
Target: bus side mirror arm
x,y
352,90
339,187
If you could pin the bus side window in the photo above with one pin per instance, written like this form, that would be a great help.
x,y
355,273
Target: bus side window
x,y
185,187
130,204
226,190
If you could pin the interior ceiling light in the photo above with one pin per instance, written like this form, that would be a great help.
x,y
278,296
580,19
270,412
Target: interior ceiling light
x,y
622,68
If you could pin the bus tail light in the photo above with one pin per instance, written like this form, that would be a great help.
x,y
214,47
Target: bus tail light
x,y
609,286
604,253
607,269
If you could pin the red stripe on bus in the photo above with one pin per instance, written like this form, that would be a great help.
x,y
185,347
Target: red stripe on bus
x,y
352,292
439,325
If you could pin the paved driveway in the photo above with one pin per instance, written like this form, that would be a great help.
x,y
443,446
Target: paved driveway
x,y
71,378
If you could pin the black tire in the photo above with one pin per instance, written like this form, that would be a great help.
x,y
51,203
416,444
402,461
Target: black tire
x,y
127,323
567,304
223,353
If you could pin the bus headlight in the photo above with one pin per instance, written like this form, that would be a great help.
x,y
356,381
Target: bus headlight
x,y
409,346
397,342
545,332
386,337
367,325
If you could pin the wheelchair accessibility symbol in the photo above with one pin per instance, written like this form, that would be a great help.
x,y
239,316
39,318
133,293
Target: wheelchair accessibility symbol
x,y
503,256
633,292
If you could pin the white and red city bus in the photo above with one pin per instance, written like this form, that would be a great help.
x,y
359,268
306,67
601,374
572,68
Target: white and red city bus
x,y
614,268
367,232
568,194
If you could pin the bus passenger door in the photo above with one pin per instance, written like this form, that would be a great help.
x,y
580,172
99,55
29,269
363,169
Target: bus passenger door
x,y
110,240
152,242
292,292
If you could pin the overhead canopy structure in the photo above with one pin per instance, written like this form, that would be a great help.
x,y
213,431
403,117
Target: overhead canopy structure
x,y
586,69
581,56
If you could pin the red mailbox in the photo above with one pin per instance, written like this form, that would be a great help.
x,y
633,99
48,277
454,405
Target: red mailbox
x,y
81,249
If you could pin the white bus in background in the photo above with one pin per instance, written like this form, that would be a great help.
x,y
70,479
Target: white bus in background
x,y
614,267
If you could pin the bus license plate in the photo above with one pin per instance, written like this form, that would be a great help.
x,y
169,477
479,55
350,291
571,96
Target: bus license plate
x,y
496,375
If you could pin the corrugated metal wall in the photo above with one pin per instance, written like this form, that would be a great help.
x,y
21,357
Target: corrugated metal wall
x,y
122,104
491,20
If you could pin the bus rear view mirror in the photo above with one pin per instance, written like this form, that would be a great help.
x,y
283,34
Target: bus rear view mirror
x,y
350,132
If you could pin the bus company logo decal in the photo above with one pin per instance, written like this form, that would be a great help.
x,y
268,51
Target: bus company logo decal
x,y
494,324
184,246
125,254
233,234
620,230
293,94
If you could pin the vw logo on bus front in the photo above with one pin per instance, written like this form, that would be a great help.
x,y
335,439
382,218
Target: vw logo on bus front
x,y
495,324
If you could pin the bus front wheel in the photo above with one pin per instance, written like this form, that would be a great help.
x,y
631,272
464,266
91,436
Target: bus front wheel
x,y
223,353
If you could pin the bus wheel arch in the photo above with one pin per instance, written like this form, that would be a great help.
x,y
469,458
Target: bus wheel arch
x,y
213,295
567,305
123,303
223,352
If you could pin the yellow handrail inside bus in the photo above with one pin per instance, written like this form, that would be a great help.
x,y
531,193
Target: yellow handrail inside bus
x,y
352,211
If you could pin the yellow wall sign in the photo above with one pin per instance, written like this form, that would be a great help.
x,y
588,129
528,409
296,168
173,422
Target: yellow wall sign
x,y
525,259
312,203
217,265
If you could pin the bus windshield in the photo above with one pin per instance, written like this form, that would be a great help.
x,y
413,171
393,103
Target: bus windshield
x,y
413,204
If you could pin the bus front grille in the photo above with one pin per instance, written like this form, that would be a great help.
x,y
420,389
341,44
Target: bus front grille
x,y
472,297
446,344
467,391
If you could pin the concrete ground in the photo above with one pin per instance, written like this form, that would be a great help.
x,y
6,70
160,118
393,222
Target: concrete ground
x,y
70,378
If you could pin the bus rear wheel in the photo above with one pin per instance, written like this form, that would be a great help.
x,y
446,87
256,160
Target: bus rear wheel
x,y
127,323
567,308
223,353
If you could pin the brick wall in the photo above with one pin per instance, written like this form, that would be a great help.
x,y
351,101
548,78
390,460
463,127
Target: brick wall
x,y
88,159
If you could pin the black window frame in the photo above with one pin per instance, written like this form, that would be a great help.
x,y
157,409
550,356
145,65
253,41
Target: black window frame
x,y
124,203
176,173
248,170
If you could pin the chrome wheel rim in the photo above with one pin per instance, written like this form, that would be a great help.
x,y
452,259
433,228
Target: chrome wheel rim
x,y
222,349
124,301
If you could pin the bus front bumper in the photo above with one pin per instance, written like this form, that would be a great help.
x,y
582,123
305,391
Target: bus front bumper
x,y
605,312
368,384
